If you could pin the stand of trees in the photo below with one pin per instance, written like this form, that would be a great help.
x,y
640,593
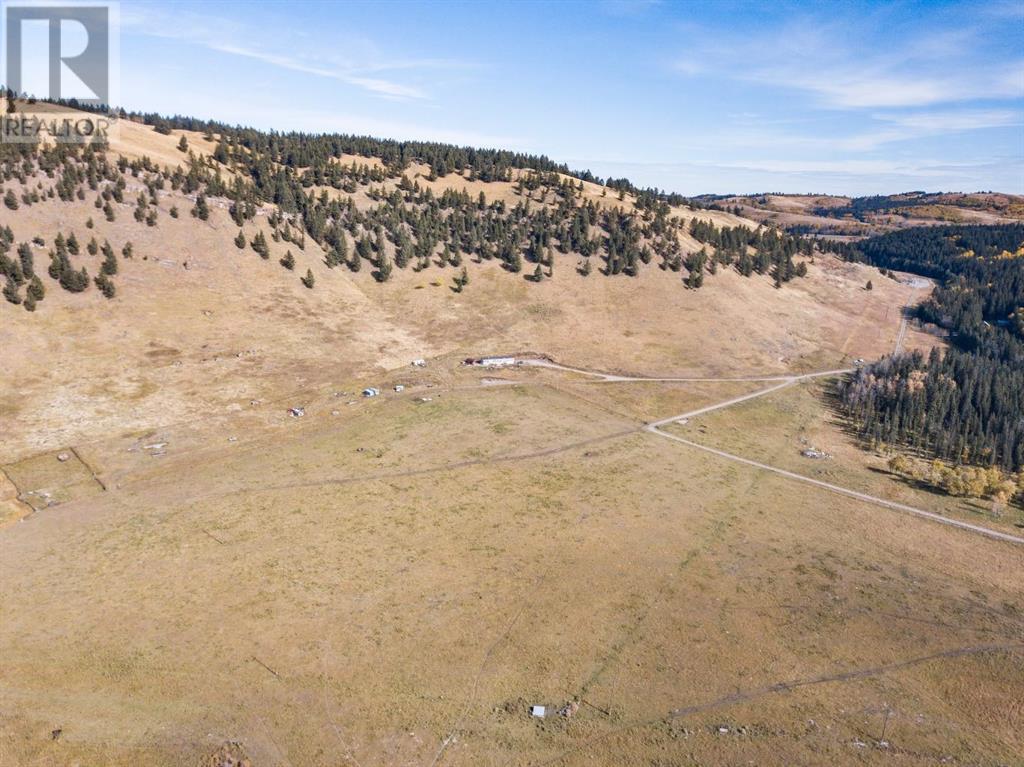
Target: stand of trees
x,y
966,405
407,224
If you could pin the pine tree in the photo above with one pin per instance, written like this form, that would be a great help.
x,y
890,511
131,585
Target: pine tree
x,y
259,244
11,200
240,240
109,265
26,260
11,291
202,208
72,281
309,280
183,144
106,285
288,262
869,286
35,290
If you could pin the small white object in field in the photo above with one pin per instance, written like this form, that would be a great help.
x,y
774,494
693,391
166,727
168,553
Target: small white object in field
x,y
537,711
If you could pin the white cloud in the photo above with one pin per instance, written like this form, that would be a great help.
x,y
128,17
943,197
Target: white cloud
x,y
363,68
846,67
843,176
907,126
853,86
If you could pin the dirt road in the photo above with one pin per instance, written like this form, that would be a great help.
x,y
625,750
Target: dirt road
x,y
841,490
782,382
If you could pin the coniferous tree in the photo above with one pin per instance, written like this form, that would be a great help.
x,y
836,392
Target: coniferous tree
x,y
201,210
72,281
35,290
109,265
259,244
105,285
11,291
26,260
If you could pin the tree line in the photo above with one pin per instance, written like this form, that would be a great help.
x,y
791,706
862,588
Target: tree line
x,y
407,224
965,405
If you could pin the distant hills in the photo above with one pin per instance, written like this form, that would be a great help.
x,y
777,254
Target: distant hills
x,y
851,217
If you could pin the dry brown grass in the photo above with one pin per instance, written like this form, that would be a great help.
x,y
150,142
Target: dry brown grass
x,y
365,621
203,327
777,428
393,582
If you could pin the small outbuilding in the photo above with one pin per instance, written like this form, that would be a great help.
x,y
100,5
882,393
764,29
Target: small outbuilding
x,y
371,392
538,711
497,362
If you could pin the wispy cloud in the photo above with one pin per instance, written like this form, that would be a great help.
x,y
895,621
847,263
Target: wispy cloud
x,y
838,176
886,84
907,126
845,68
376,85
366,69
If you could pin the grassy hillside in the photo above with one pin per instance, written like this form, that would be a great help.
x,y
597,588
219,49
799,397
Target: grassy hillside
x,y
197,323
857,217
191,573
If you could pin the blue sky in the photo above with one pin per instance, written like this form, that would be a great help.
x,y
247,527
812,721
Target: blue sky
x,y
851,97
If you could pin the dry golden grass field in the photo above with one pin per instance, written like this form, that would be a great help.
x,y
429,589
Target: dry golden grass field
x,y
191,576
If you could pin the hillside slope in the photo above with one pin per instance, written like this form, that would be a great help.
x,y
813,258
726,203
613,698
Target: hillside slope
x,y
199,324
855,217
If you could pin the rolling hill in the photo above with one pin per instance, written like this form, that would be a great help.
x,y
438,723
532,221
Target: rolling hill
x,y
857,217
256,510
